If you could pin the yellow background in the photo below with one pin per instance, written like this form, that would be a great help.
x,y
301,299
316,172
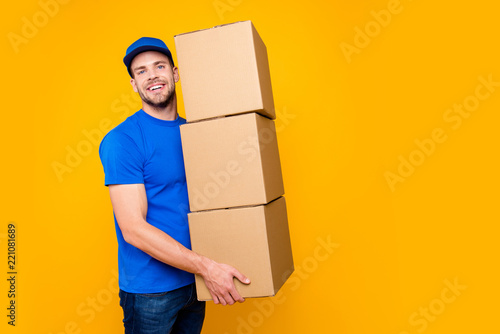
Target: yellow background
x,y
343,123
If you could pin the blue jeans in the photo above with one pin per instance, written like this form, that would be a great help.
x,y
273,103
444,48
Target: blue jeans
x,y
172,312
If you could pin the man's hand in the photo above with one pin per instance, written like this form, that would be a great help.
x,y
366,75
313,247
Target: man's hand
x,y
219,279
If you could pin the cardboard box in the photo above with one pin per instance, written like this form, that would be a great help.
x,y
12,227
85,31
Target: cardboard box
x,y
224,71
255,240
231,161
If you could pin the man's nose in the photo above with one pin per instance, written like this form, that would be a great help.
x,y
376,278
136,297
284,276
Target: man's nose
x,y
152,73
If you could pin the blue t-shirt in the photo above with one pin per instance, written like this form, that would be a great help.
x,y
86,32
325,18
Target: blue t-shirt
x,y
144,149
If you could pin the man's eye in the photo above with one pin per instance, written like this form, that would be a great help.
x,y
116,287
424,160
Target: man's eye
x,y
161,66
140,72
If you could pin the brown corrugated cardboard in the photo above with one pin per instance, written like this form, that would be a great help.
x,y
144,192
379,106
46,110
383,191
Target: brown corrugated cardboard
x,y
224,71
231,161
255,240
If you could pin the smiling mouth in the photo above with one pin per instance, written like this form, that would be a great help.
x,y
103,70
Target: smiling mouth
x,y
156,87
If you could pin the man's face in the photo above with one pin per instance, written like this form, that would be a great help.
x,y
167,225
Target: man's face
x,y
154,78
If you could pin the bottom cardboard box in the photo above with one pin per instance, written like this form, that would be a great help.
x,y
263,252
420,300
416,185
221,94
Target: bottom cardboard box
x,y
255,240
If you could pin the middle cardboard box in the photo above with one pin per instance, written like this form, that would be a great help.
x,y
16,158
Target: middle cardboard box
x,y
231,161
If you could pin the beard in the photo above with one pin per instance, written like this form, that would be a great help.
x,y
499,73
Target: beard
x,y
159,101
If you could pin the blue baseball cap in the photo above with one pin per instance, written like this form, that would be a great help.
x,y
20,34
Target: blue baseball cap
x,y
145,44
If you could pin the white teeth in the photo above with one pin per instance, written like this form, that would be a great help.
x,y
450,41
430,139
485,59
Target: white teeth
x,y
155,87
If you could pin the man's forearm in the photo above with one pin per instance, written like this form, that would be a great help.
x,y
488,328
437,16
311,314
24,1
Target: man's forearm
x,y
164,248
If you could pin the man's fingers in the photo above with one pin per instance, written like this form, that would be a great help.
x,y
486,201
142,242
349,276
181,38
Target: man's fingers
x,y
221,299
235,295
242,278
220,283
227,297
214,297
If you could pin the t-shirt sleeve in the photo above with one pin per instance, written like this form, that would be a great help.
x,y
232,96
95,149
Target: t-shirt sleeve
x,y
121,159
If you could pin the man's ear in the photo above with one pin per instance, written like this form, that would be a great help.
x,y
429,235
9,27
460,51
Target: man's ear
x,y
176,74
134,86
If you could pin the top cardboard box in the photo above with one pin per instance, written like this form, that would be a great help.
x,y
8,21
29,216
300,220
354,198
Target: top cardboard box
x,y
224,71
